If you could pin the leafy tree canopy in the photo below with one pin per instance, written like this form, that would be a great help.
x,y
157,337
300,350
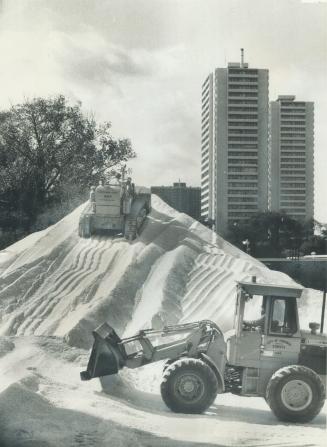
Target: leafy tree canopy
x,y
274,234
50,151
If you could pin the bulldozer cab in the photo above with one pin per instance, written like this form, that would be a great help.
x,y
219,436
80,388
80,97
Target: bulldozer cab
x,y
266,325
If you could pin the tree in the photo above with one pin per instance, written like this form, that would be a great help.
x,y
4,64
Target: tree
x,y
51,151
274,234
270,234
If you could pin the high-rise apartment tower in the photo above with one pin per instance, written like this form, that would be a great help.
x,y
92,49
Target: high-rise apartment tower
x,y
234,145
291,157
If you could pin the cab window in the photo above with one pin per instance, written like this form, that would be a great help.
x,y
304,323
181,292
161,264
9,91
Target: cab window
x,y
254,314
283,316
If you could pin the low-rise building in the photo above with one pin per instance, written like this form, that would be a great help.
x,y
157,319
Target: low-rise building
x,y
186,199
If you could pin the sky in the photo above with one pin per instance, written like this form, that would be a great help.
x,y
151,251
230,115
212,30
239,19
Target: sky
x,y
140,64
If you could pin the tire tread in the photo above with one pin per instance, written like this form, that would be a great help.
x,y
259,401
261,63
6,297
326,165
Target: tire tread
x,y
198,365
272,393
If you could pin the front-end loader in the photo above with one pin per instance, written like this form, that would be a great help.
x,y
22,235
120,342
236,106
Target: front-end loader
x,y
266,354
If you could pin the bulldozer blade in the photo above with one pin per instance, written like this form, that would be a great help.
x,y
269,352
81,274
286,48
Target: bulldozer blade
x,y
107,356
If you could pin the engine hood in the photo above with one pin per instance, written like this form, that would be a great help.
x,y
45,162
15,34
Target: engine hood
x,y
308,338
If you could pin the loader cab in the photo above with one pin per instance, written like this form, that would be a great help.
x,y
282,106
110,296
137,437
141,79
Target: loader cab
x,y
266,324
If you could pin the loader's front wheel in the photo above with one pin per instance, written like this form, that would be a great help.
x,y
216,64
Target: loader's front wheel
x,y
189,386
295,394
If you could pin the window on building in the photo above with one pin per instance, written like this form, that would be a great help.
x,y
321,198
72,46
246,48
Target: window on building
x,y
243,214
242,154
286,191
244,71
295,197
246,169
242,94
242,184
243,177
251,103
288,153
243,147
244,117
242,207
248,161
242,124
242,199
292,203
243,192
292,160
296,105
248,138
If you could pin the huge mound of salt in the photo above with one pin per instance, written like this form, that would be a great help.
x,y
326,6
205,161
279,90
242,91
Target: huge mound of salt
x,y
55,283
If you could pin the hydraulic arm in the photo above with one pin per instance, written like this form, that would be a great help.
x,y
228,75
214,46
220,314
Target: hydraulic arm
x,y
110,353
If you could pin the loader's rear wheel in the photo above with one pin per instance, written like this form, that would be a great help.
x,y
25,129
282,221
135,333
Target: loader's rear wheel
x,y
295,394
189,386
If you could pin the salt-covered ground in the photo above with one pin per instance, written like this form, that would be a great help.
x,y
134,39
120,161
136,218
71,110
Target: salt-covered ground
x,y
56,287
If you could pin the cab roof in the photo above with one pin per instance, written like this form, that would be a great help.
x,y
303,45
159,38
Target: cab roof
x,y
254,288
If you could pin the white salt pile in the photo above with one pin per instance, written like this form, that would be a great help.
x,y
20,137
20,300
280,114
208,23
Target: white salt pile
x,y
55,283
55,288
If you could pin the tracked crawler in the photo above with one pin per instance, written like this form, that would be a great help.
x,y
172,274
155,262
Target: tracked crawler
x,y
118,207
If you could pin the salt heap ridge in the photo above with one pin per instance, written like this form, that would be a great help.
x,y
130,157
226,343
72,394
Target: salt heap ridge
x,y
177,270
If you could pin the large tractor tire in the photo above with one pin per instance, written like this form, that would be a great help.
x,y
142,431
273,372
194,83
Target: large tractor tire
x,y
189,386
167,364
295,394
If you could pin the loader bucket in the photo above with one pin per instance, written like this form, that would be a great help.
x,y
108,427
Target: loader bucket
x,y
107,355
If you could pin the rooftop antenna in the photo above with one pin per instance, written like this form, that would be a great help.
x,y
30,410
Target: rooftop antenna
x,y
242,57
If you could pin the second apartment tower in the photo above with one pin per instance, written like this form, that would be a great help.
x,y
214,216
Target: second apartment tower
x,y
292,160
234,145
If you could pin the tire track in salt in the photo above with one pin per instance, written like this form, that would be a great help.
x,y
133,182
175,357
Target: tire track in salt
x,y
71,263
46,278
65,289
27,272
88,261
209,297
69,284
197,293
211,283
75,261
68,300
201,282
41,300
227,289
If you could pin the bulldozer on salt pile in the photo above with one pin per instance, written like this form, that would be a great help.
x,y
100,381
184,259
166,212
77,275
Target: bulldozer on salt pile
x,y
115,208
269,356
